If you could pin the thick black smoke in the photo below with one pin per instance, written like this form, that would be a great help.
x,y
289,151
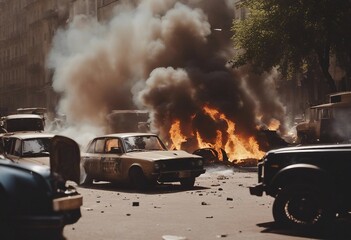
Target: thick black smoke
x,y
168,57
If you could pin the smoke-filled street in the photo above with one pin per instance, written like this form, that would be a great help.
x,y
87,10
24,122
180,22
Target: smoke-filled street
x,y
219,207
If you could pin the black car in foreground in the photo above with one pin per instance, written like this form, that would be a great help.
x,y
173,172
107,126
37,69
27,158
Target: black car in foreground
x,y
310,184
35,201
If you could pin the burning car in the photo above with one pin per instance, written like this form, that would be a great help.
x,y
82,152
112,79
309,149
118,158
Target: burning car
x,y
140,159
36,201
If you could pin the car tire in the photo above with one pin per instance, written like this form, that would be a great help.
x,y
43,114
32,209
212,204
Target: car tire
x,y
138,179
302,206
187,182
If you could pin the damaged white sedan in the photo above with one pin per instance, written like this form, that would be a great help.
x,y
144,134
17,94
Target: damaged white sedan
x,y
140,159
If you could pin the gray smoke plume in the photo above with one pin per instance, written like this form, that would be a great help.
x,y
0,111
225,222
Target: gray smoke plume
x,y
165,57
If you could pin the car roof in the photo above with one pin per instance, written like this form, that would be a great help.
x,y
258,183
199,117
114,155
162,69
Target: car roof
x,y
28,135
17,116
123,135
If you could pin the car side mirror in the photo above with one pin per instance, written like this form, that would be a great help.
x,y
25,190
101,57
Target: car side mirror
x,y
116,150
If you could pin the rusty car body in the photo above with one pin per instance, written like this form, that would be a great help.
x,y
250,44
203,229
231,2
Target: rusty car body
x,y
140,159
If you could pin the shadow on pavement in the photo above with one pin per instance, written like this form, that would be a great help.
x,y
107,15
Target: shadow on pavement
x,y
157,189
341,229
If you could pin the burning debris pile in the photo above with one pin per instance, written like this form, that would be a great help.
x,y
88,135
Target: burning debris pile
x,y
167,58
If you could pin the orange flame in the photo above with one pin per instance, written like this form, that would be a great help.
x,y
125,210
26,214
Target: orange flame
x,y
274,124
236,147
176,136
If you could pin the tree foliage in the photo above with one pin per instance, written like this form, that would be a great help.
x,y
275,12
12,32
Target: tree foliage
x,y
293,35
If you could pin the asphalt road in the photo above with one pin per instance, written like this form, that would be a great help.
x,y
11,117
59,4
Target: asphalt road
x,y
219,207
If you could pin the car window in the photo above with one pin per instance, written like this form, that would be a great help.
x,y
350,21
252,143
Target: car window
x,y
36,146
110,144
8,145
91,147
99,146
143,143
17,149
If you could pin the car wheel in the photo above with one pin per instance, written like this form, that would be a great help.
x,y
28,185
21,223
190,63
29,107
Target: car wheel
x,y
187,182
302,206
137,178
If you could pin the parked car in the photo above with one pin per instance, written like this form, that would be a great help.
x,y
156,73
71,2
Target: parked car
x,y
327,123
310,184
140,159
22,122
31,147
36,202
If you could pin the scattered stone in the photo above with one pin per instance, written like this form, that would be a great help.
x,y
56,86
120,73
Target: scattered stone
x,y
135,204
102,211
204,203
171,237
97,201
200,194
240,185
229,199
222,236
220,189
89,209
209,217
128,214
215,185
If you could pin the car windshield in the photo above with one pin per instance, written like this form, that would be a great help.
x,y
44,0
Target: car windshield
x,y
24,124
36,147
143,143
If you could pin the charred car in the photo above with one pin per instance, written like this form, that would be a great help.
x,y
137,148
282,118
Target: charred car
x,y
37,201
140,159
310,184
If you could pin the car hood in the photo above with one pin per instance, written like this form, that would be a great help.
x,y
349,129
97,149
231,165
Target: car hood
x,y
161,155
35,160
43,170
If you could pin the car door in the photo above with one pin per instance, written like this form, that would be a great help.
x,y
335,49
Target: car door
x,y
92,158
65,158
111,159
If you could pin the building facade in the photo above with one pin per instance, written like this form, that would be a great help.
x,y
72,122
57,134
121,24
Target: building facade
x,y
27,28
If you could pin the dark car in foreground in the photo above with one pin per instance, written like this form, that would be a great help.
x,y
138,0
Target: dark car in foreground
x,y
36,202
310,184
140,159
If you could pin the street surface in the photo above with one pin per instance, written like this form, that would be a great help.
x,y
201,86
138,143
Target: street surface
x,y
219,207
